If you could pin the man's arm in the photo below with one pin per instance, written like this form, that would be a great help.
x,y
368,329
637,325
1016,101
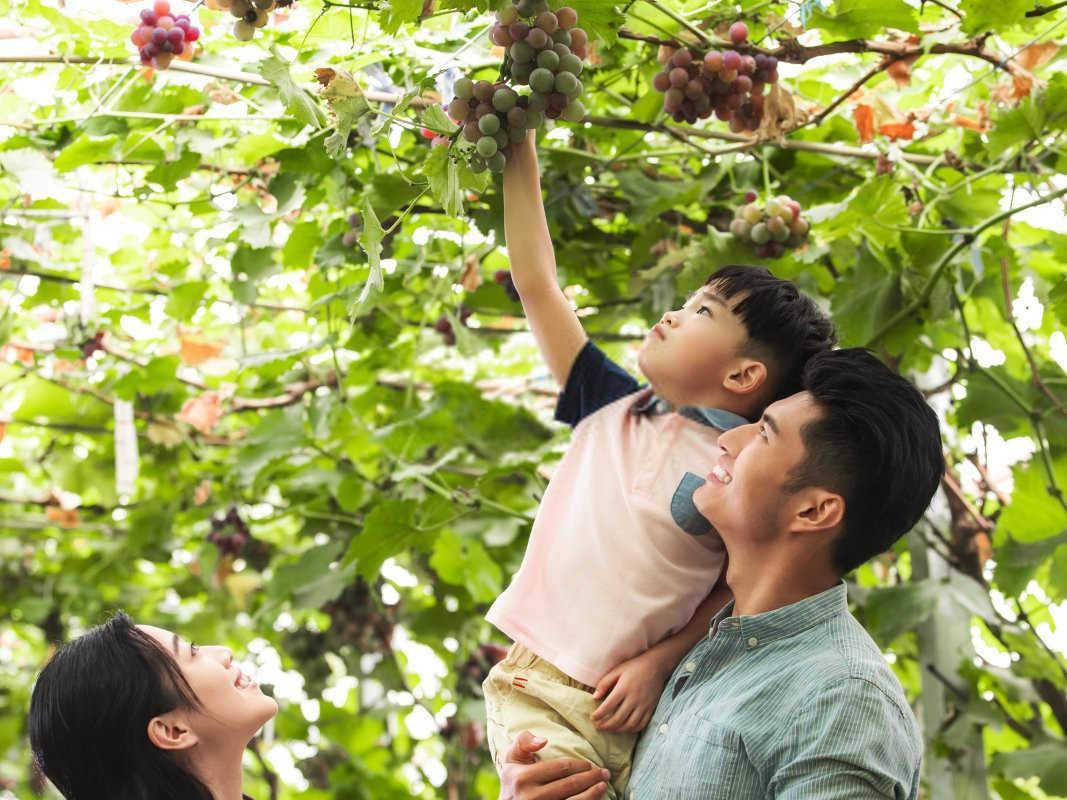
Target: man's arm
x,y
555,326
849,741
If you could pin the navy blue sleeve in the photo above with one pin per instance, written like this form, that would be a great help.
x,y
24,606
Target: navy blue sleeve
x,y
594,381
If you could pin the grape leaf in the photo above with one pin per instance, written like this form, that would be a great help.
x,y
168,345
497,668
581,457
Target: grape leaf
x,y
297,101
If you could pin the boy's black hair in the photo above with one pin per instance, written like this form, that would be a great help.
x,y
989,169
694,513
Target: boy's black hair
x,y
876,443
785,328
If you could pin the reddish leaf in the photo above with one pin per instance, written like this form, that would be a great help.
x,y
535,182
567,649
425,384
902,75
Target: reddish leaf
x,y
195,350
863,115
202,412
897,130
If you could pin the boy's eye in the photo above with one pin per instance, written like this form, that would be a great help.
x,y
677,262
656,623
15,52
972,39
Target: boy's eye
x,y
194,648
763,431
705,309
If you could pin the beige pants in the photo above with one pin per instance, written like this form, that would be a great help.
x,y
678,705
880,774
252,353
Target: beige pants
x,y
526,693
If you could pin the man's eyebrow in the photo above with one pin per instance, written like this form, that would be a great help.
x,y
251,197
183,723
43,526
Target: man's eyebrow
x,y
771,423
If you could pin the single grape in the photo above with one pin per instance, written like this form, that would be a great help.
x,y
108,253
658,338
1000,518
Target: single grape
x,y
192,34
750,197
661,82
738,32
728,75
464,88
520,73
548,22
534,119
682,58
483,91
679,77
159,36
760,233
549,59
516,135
484,110
775,209
487,146
579,38
517,118
752,213
542,80
521,53
472,132
800,227
537,38
574,112
742,84
731,60
489,124
567,17
562,36
161,7
525,8
502,139
538,101
501,277
579,50
775,225
499,36
477,164
672,100
497,162
507,15
561,50
713,61
571,63
748,65
504,99
350,238
243,31
566,83
458,109
741,229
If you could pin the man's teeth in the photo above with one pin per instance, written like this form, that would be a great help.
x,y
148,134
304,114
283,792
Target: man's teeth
x,y
721,474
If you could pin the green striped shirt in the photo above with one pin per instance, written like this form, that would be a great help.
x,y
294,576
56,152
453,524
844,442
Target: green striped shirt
x,y
795,703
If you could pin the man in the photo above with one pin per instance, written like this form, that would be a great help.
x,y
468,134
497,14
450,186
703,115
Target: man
x,y
787,696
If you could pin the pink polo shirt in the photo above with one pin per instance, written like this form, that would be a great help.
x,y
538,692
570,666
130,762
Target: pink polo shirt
x,y
610,569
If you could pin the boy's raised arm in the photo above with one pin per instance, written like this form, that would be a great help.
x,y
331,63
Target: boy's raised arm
x,y
554,324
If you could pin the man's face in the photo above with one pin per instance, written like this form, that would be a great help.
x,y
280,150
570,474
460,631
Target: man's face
x,y
688,352
743,496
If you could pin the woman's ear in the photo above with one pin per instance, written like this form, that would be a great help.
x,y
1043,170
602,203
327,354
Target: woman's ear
x,y
171,732
746,377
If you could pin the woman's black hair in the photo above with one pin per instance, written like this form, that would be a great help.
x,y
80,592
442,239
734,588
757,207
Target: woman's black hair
x,y
89,717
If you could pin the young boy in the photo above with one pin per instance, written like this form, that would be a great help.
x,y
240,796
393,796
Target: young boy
x,y
620,577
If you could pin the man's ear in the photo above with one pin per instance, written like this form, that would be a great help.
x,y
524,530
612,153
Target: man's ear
x,y
171,732
817,511
746,376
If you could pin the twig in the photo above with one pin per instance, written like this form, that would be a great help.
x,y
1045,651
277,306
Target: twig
x,y
881,66
1039,11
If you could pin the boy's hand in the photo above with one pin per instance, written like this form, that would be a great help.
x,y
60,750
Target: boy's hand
x,y
630,693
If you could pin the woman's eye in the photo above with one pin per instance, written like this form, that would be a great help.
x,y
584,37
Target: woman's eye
x,y
194,648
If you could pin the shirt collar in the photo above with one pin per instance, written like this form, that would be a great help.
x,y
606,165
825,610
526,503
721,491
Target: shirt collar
x,y
648,403
785,621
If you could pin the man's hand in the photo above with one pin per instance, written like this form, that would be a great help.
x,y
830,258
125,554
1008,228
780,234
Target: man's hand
x,y
630,693
523,777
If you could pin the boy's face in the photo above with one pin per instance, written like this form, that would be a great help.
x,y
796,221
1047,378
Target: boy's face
x,y
689,352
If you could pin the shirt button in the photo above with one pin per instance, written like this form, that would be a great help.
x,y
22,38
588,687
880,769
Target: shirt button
x,y
690,666
752,641
663,728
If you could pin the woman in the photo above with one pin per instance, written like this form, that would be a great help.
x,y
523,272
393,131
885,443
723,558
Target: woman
x,y
133,712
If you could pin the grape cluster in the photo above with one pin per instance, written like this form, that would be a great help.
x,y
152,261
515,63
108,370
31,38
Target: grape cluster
x,y
350,238
161,35
544,53
91,345
229,533
502,277
443,325
250,14
770,227
356,619
721,82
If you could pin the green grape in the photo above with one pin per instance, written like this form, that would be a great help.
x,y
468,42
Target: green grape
x,y
775,225
800,227
542,80
562,36
487,146
521,53
497,162
243,31
464,88
489,124
504,99
517,135
507,15
525,8
566,83
570,63
520,73
775,209
549,59
760,234
534,119
517,118
477,164
561,49
574,112
740,228
501,137
752,213
538,102
780,235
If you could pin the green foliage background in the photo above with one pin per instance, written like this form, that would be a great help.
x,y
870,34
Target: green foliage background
x,y
389,481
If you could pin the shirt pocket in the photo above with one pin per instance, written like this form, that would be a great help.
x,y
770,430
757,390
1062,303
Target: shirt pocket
x,y
708,764
684,511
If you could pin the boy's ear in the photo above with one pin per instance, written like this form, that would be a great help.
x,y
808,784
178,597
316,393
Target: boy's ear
x,y
746,376
170,731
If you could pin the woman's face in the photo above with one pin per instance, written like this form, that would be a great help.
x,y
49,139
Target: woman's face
x,y
233,708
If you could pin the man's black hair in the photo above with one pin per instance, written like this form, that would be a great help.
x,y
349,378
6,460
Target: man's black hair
x,y
785,328
876,443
